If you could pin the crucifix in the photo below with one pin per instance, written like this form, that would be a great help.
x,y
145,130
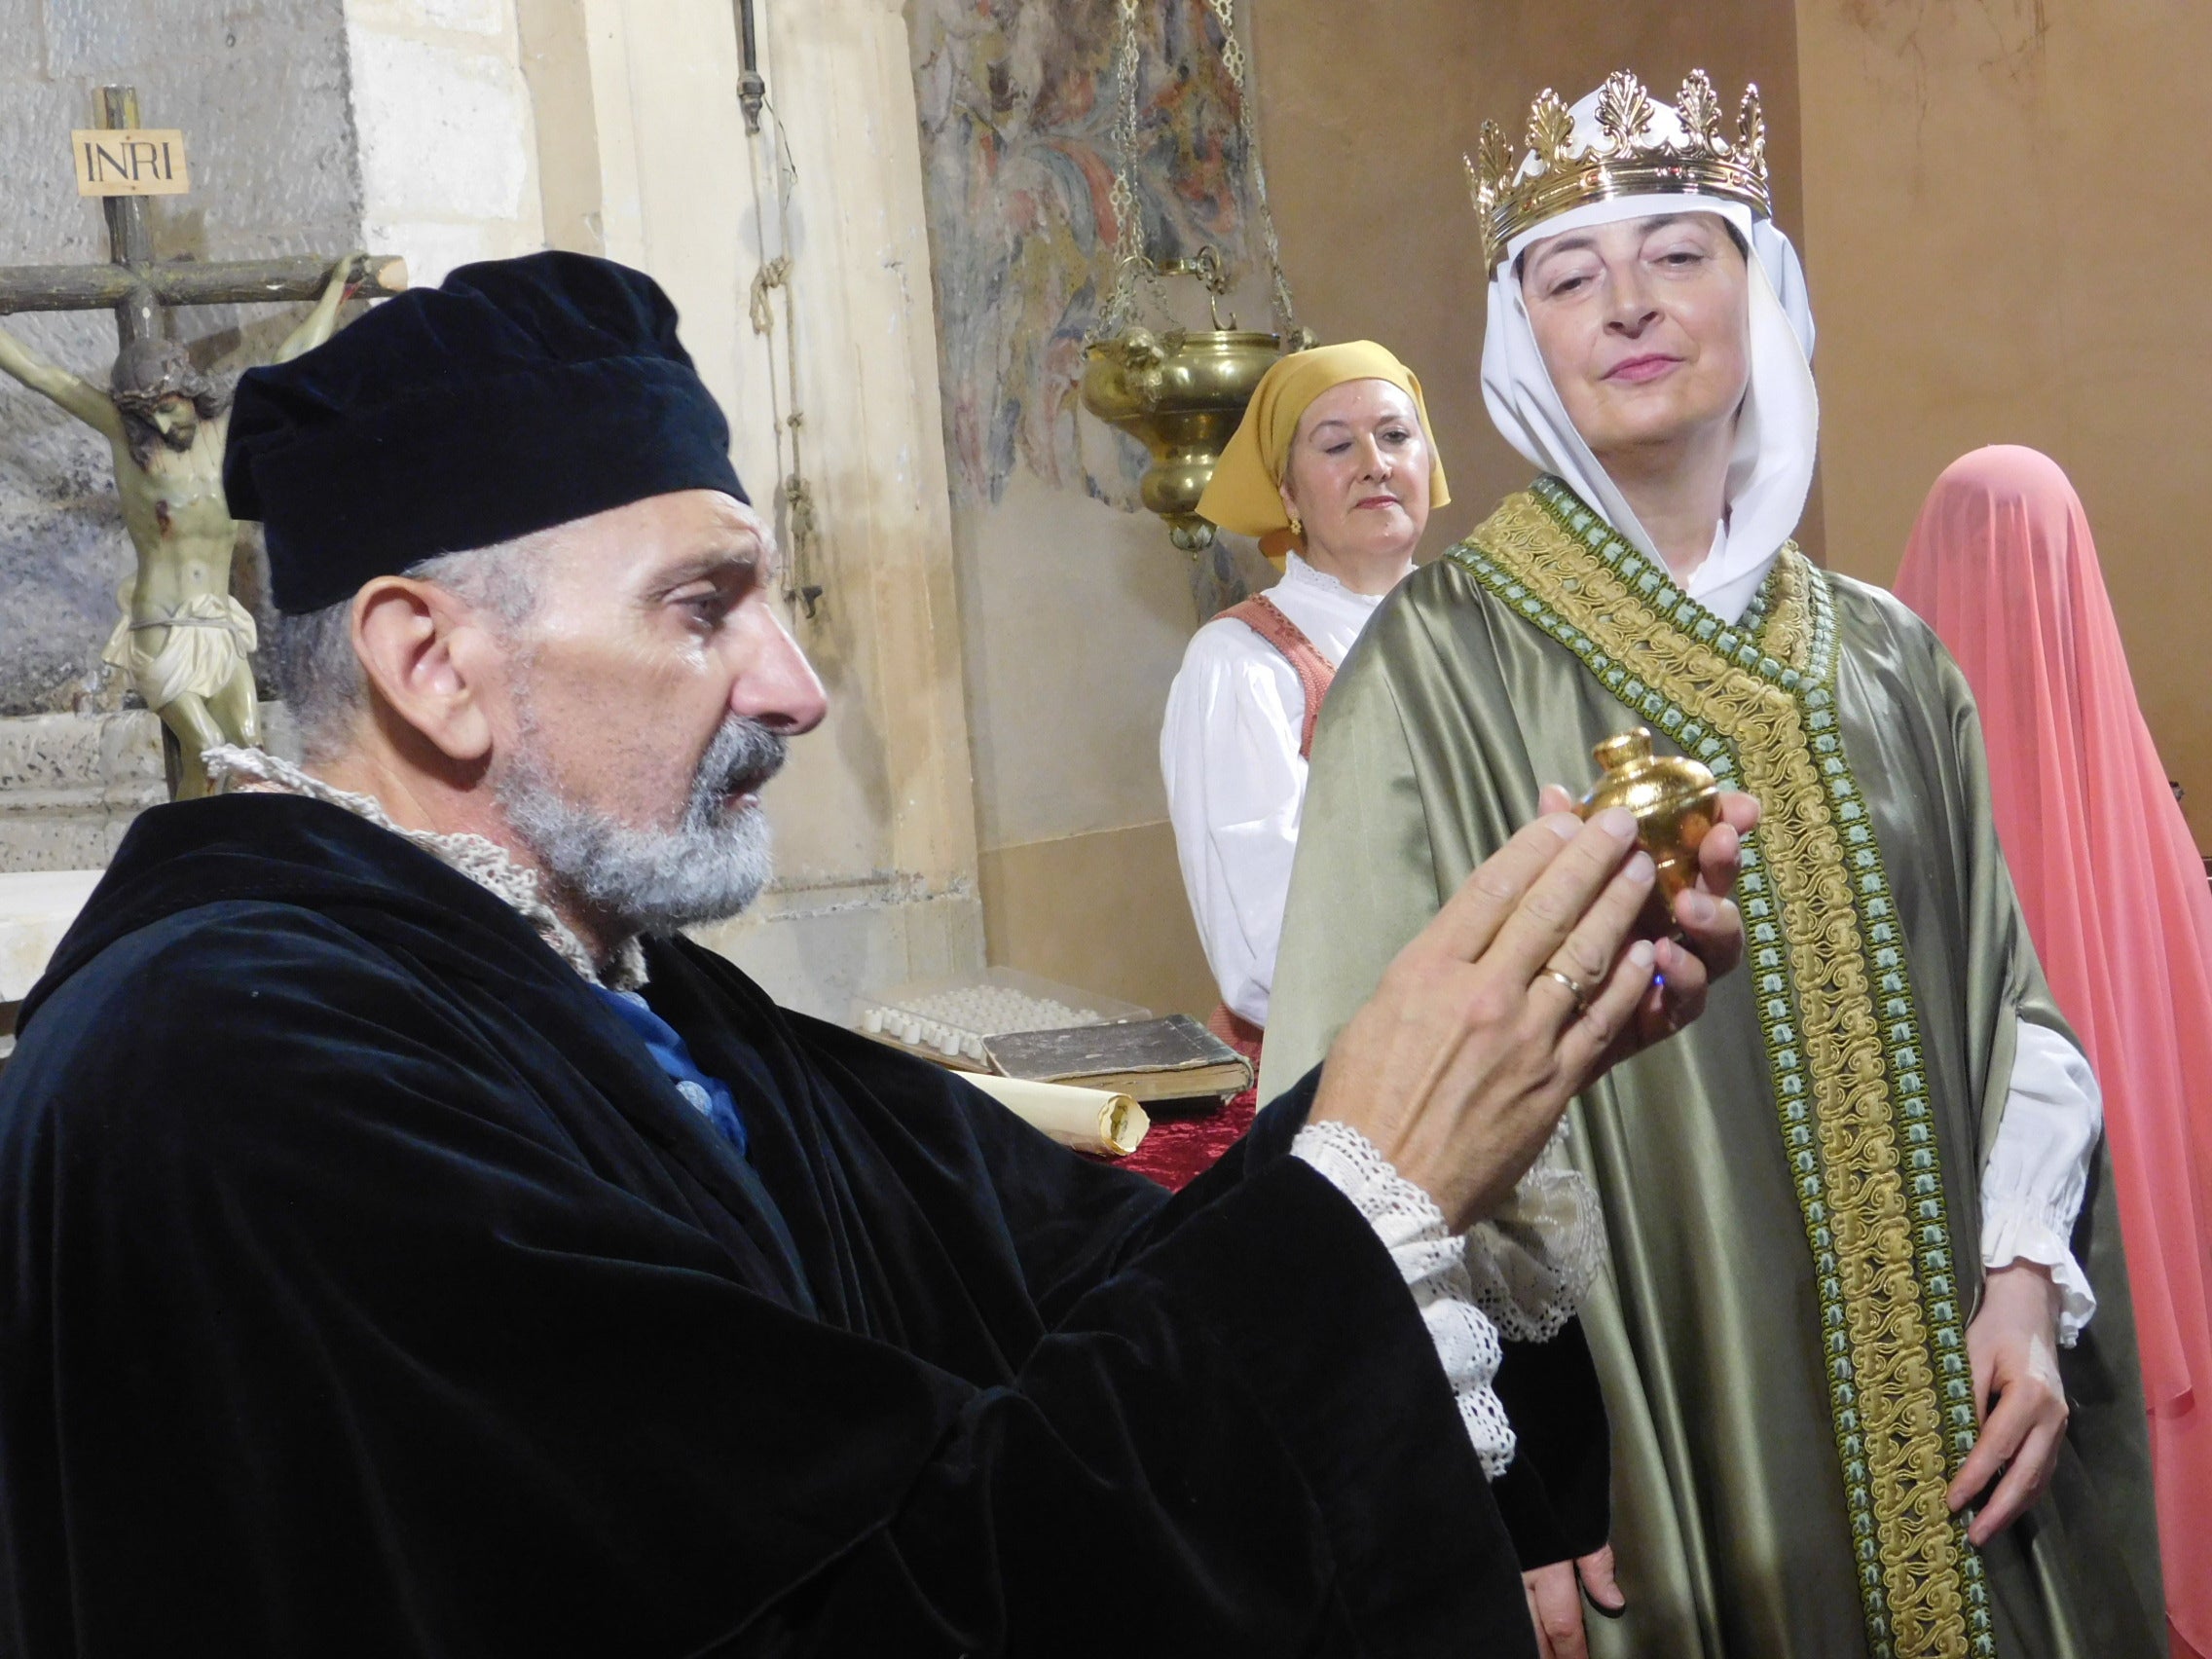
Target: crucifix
x,y
183,639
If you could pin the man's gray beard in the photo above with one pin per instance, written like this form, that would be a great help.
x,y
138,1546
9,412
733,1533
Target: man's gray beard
x,y
652,881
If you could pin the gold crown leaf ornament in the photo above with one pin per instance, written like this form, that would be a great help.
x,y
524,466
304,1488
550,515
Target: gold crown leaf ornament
x,y
1514,193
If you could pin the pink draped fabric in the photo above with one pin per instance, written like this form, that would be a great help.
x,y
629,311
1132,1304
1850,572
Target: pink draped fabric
x,y
2002,567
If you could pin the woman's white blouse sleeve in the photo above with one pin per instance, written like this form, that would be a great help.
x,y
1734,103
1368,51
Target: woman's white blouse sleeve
x,y
2038,1168
1229,755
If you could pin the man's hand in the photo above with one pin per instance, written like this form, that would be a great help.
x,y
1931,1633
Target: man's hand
x,y
1555,1601
2013,1346
1498,1012
1712,930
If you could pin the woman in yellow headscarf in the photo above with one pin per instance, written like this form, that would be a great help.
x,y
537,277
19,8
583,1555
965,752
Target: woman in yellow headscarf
x,y
1335,470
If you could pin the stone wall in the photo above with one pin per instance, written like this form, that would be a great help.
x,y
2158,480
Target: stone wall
x,y
71,784
260,92
449,159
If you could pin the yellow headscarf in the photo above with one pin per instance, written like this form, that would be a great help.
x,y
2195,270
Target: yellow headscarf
x,y
1245,493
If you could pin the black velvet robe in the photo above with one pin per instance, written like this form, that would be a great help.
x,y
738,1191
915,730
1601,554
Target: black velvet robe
x,y
365,1287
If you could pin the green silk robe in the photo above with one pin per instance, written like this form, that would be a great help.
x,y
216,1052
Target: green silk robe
x,y
1791,1186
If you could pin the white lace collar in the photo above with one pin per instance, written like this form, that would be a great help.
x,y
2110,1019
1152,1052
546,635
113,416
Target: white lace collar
x,y
485,863
1298,573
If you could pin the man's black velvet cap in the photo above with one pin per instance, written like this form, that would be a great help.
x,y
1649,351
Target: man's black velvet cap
x,y
521,394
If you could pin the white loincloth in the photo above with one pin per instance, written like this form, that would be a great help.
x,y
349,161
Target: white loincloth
x,y
211,634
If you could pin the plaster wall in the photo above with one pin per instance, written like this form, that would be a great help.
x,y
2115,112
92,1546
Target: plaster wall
x,y
1076,616
261,94
2010,242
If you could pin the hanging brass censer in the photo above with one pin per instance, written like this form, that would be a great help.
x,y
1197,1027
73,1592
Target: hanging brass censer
x,y
1181,394
1180,391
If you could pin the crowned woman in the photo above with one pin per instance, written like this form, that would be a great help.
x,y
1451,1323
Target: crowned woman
x,y
1858,1401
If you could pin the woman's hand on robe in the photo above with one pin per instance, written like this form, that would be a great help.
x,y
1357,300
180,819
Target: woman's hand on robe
x,y
1460,1065
2012,1345
1555,1601
1712,927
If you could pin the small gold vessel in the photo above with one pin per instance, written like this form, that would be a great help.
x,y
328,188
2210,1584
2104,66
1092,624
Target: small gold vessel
x,y
1675,801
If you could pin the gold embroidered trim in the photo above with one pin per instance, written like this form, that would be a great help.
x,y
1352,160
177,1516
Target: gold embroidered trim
x,y
1830,978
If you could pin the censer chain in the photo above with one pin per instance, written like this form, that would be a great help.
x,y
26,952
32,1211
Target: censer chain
x,y
1233,60
1129,223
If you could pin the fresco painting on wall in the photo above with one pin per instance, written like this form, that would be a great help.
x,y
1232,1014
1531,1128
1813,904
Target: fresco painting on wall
x,y
1017,113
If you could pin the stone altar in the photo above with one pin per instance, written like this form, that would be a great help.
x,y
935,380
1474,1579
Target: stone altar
x,y
71,784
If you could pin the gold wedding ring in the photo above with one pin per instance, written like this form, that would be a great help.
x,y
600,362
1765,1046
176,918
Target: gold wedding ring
x,y
1573,989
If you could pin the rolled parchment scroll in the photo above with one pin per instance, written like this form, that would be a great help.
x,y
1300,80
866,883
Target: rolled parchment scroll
x,y
1089,1119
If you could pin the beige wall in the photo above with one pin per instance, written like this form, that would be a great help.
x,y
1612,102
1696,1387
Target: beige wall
x,y
1075,619
2006,208
1365,111
449,155
1104,911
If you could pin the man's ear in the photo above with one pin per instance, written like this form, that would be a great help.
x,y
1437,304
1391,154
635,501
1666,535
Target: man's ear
x,y
428,662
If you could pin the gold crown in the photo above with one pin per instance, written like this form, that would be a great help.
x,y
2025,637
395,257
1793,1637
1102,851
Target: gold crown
x,y
1626,160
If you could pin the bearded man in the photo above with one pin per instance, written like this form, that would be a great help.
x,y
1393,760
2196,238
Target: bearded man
x,y
409,1243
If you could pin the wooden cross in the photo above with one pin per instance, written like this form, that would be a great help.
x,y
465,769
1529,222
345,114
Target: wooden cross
x,y
136,288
